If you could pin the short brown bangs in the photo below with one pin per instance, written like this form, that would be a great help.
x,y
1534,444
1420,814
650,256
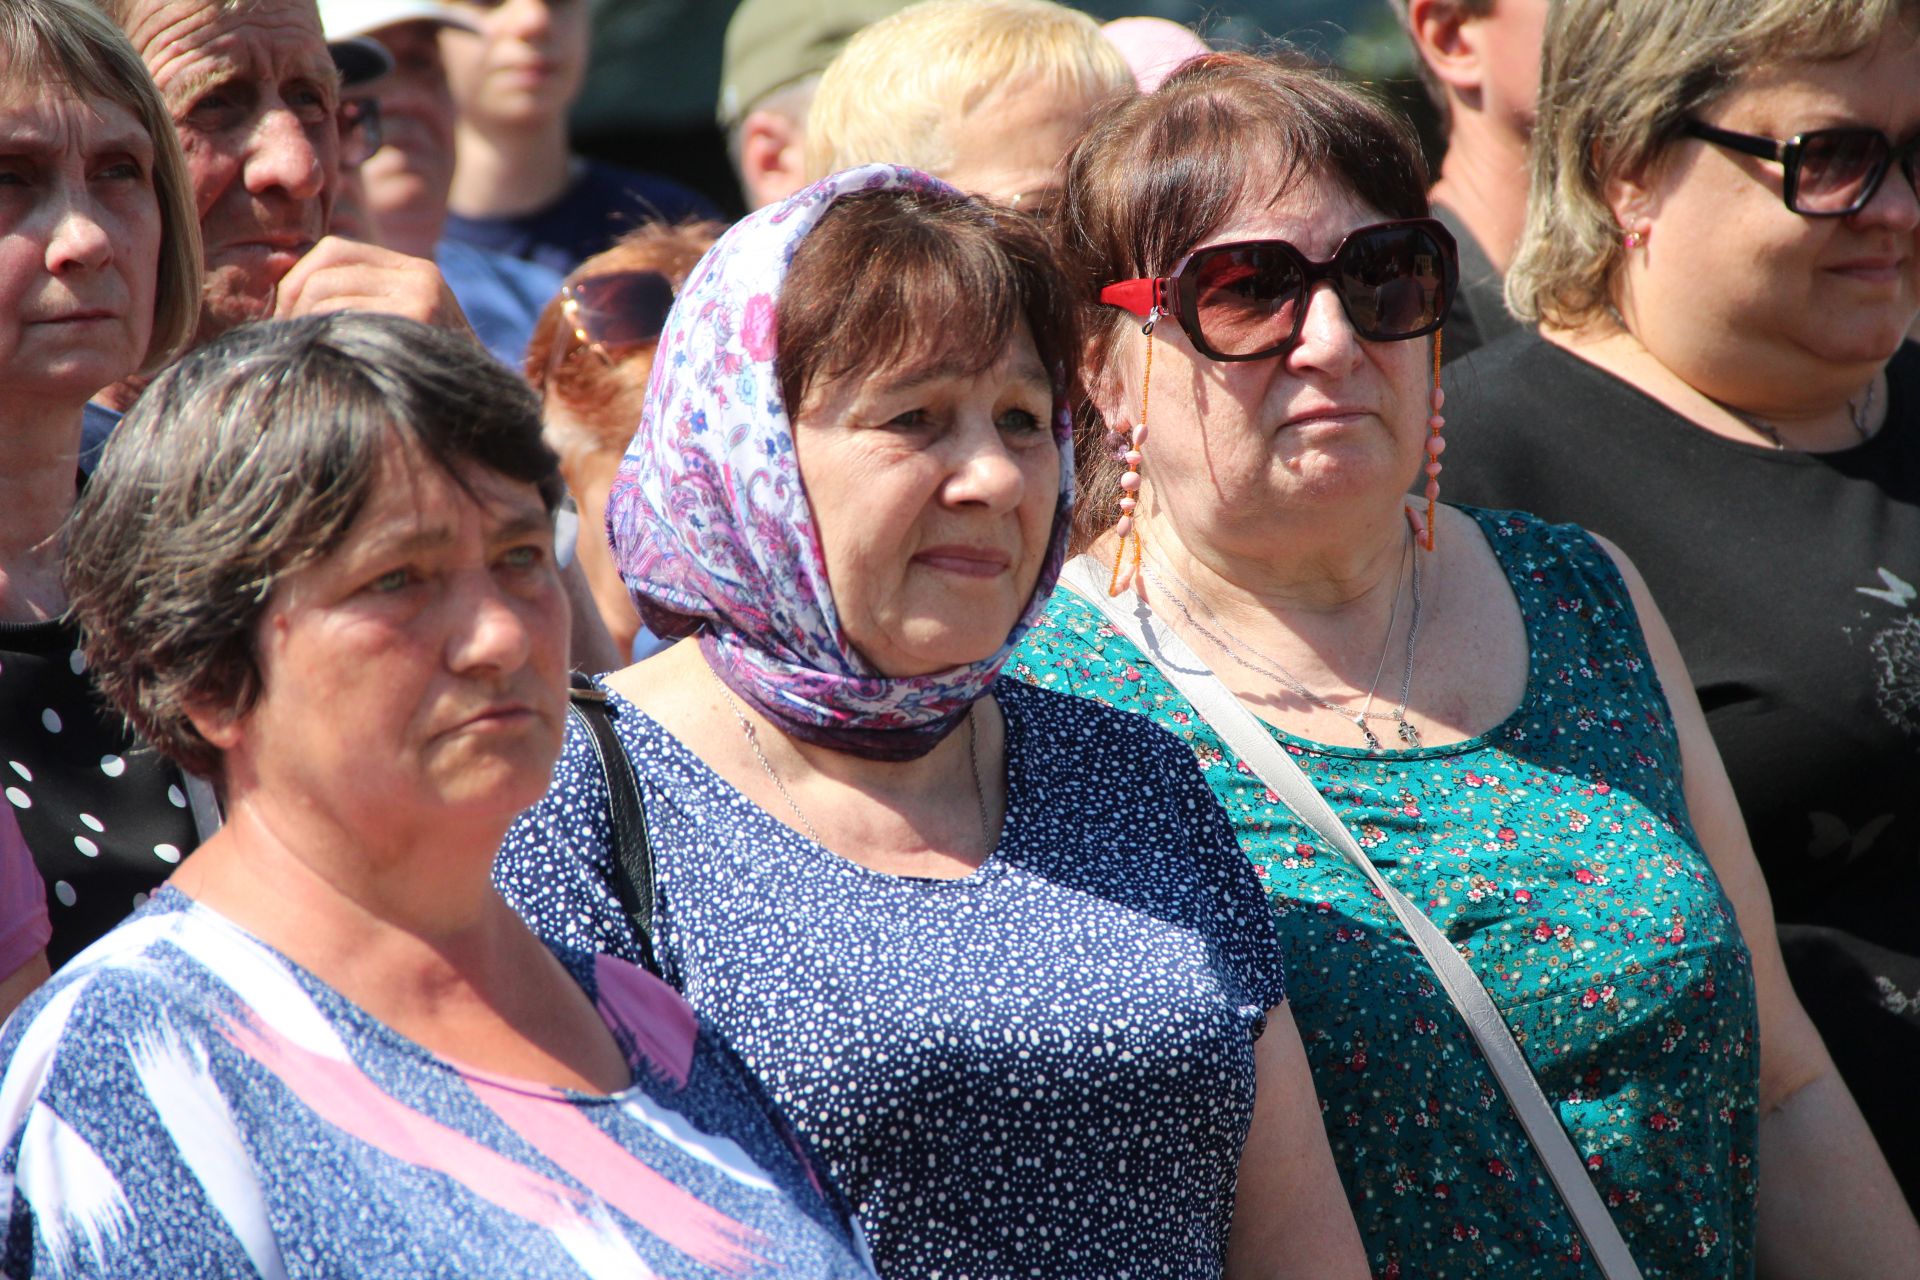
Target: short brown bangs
x,y
908,284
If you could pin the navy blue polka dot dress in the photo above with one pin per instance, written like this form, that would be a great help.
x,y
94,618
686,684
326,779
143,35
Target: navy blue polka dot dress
x,y
1042,1069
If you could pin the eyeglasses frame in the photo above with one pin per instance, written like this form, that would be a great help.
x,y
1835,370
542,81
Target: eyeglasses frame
x,y
1149,298
361,130
1787,154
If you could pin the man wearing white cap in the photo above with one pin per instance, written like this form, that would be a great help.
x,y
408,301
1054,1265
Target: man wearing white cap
x,y
404,185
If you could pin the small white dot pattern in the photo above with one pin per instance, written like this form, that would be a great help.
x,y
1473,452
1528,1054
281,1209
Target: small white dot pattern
x,y
1042,1070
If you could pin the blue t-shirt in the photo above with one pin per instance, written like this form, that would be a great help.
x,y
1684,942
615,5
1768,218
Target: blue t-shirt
x,y
502,296
96,428
601,204
1044,1068
182,1100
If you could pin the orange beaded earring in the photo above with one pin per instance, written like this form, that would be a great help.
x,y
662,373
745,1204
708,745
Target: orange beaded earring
x,y
1129,452
1436,445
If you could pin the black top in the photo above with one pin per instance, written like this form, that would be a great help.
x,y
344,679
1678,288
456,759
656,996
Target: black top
x,y
106,817
1479,314
1789,580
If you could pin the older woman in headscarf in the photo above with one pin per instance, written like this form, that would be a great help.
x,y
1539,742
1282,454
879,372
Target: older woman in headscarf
x,y
992,948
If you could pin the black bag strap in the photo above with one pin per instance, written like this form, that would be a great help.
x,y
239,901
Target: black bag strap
x,y
633,853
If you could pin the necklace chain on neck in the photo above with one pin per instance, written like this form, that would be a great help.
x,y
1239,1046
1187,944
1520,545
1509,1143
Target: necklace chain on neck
x,y
766,767
1858,413
1253,661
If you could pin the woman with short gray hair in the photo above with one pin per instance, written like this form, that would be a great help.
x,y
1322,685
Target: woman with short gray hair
x,y
317,565
1723,254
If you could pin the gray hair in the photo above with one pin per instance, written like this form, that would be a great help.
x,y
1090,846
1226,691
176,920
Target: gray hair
x,y
71,43
250,459
1619,79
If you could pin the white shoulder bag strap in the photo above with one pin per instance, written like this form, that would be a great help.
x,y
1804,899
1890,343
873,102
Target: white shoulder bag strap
x,y
1247,737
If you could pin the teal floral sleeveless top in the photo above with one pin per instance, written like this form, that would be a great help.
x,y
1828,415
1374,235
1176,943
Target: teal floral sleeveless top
x,y
1556,853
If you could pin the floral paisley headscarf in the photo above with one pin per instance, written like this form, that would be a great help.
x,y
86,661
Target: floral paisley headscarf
x,y
713,532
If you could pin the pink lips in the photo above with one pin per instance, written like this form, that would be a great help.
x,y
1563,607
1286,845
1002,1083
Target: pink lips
x,y
1331,413
78,317
966,561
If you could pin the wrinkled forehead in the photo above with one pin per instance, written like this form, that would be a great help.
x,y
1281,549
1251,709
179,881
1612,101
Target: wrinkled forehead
x,y
190,45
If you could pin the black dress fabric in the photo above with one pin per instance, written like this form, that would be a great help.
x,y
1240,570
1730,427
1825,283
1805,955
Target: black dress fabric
x,y
106,817
1479,315
1792,583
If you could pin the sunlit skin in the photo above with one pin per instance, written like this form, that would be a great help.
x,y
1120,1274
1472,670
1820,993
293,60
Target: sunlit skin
x,y
412,701
512,83
418,669
1010,144
1332,426
934,500
253,97
524,66
79,244
1751,303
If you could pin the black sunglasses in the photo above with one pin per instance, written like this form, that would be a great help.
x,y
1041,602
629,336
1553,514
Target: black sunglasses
x,y
1830,173
1242,301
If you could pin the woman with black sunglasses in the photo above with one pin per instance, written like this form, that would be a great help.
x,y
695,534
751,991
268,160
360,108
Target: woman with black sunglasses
x,y
1531,953
1723,255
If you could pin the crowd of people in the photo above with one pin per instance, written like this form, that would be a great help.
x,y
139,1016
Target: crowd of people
x,y
943,728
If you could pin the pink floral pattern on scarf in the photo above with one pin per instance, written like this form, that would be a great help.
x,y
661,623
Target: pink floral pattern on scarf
x,y
711,527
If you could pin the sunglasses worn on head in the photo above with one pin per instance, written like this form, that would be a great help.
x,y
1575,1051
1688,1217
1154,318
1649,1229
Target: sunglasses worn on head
x,y
619,312
1246,300
1830,173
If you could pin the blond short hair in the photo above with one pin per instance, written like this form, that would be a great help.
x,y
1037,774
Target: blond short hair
x,y
72,43
1619,79
891,94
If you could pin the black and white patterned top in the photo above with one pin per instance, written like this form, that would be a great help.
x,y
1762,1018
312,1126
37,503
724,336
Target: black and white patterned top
x,y
106,817
1042,1069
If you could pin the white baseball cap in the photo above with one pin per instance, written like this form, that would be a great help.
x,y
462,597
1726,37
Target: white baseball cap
x,y
346,19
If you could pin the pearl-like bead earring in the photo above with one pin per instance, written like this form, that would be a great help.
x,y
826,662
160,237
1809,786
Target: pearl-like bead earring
x,y
1128,449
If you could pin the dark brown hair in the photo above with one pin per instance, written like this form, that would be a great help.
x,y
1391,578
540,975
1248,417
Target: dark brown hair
x,y
248,459
902,281
1157,174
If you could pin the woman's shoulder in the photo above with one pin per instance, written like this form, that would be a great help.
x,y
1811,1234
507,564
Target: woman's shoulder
x,y
1554,567
1073,649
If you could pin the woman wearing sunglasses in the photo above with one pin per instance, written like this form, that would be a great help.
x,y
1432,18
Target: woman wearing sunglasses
x,y
589,358
992,949
1724,257
1477,695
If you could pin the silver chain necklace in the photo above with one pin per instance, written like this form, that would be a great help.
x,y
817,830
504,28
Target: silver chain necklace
x,y
1260,665
1857,414
766,766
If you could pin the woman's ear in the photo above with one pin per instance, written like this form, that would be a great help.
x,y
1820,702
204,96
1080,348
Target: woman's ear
x,y
218,726
1634,196
1104,361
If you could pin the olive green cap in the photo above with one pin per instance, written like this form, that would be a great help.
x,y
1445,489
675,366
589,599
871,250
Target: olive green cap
x,y
772,43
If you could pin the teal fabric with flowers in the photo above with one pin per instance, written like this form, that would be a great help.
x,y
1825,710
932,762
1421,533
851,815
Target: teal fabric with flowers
x,y
1555,851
